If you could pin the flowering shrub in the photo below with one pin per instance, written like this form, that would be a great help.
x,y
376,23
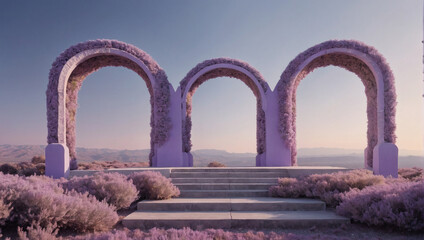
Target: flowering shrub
x,y
411,174
38,233
41,201
327,187
187,233
98,165
38,159
30,168
160,103
227,72
399,204
8,168
216,164
4,209
292,76
153,185
23,168
114,188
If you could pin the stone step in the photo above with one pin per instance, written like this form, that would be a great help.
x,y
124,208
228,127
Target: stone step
x,y
227,174
233,204
230,169
224,186
227,219
222,193
273,181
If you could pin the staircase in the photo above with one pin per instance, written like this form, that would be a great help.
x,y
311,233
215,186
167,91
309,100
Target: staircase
x,y
230,198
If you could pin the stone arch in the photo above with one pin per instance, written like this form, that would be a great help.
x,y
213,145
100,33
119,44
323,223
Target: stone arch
x,y
223,67
71,68
363,60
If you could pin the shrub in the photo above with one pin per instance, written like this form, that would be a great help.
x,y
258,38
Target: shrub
x,y
41,168
187,233
412,174
23,168
4,210
41,201
37,233
216,164
8,168
114,188
96,165
398,204
327,187
153,185
30,171
38,159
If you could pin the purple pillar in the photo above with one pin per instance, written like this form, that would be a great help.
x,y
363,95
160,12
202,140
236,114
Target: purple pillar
x,y
385,159
57,160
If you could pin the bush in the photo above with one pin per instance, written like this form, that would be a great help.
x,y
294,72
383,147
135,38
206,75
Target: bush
x,y
4,210
216,164
41,201
153,185
38,233
398,204
327,187
411,174
96,165
38,159
23,168
114,188
8,168
187,233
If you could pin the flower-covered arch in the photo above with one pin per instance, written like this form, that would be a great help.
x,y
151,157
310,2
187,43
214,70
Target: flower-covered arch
x,y
359,58
223,67
71,68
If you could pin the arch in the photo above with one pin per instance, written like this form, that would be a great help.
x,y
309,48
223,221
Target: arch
x,y
359,58
71,68
223,67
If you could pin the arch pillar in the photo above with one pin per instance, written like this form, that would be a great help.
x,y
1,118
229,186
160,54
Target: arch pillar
x,y
170,154
385,159
277,152
57,160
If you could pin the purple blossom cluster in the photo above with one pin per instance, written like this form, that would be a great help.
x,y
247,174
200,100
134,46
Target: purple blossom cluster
x,y
153,185
114,188
36,232
42,206
364,197
224,72
288,83
103,165
412,174
208,234
159,95
327,187
41,201
399,205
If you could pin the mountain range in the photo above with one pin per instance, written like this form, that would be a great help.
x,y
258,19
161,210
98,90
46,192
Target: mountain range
x,y
349,158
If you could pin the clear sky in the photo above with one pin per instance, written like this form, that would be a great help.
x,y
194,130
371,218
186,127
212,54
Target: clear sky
x,y
113,102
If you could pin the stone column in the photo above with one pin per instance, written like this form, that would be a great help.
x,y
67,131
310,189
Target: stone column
x,y
57,160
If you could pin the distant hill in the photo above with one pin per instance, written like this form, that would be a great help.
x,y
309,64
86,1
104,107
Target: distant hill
x,y
349,158
23,153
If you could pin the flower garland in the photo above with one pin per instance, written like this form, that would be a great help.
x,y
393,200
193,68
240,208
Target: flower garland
x,y
224,72
288,83
161,92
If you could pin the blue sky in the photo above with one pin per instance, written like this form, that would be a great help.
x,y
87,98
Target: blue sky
x,y
113,102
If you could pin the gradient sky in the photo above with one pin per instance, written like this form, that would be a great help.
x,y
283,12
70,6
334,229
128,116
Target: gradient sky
x,y
113,102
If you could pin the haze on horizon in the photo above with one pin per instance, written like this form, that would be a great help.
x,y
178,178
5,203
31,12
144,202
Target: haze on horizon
x,y
114,109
